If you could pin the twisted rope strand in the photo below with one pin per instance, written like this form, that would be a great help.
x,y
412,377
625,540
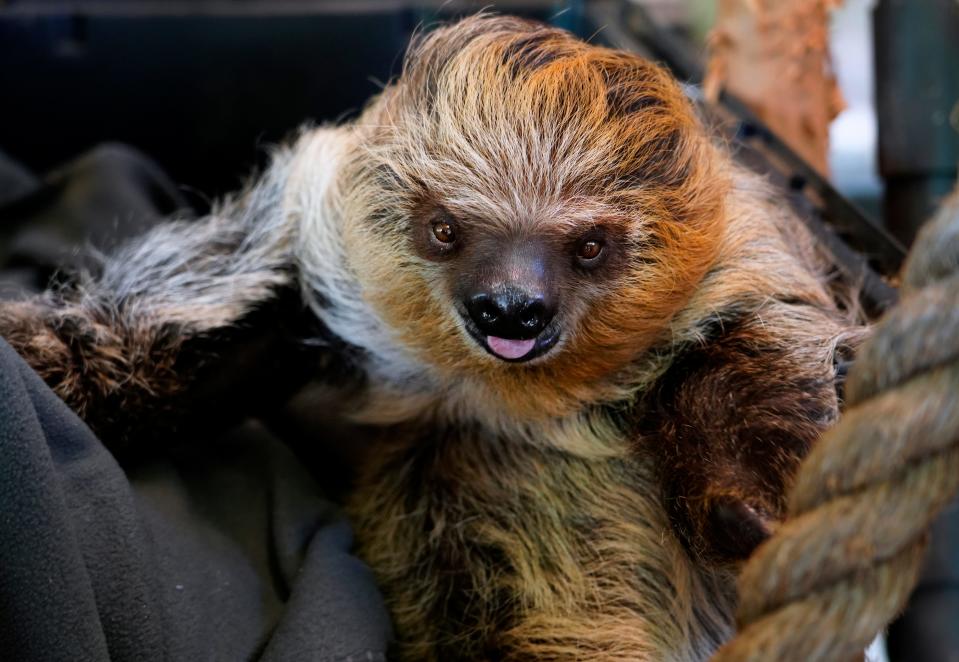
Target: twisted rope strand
x,y
844,562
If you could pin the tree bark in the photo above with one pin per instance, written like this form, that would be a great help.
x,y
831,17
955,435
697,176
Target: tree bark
x,y
774,56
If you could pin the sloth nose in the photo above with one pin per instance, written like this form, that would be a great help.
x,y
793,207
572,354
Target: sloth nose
x,y
509,313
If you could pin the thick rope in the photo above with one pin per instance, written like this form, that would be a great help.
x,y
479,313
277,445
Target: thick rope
x,y
844,562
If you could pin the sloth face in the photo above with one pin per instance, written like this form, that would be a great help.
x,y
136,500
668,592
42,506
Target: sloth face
x,y
507,291
535,209
515,292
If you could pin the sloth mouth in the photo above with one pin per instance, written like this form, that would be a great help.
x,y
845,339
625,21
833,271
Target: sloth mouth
x,y
513,350
508,348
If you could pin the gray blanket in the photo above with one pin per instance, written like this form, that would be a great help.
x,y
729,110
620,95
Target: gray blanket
x,y
222,549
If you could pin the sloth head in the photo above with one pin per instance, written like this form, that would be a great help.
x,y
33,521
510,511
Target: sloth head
x,y
529,211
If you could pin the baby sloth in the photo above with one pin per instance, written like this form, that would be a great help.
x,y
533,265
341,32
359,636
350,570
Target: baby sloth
x,y
596,348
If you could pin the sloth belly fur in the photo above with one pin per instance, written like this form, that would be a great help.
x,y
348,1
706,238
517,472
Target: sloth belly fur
x,y
492,550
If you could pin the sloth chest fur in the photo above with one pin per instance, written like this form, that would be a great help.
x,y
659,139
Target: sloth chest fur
x,y
450,536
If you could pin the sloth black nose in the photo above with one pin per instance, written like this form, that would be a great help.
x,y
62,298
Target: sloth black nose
x,y
509,313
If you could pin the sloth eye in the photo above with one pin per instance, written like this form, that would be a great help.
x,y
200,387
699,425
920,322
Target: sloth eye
x,y
588,251
443,232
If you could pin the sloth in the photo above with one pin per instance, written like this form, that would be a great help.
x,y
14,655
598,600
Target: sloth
x,y
593,349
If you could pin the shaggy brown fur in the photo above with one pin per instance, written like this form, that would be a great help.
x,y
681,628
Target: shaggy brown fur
x,y
588,504
492,550
732,419
122,346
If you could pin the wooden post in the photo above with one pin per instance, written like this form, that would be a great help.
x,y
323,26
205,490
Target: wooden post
x,y
774,56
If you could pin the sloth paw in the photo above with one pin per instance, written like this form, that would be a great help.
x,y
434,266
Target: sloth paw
x,y
734,528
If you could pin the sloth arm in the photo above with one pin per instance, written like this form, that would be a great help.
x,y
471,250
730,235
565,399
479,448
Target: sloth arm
x,y
194,319
733,418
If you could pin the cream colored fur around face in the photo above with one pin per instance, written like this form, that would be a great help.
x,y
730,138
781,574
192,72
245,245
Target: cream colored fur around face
x,y
564,136
535,151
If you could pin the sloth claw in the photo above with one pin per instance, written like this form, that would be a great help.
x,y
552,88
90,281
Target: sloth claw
x,y
735,528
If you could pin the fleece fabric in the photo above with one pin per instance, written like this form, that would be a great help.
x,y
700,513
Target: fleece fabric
x,y
217,547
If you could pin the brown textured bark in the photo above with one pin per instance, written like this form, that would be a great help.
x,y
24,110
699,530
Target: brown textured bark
x,y
774,55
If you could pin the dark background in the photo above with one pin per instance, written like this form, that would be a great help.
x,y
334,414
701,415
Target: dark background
x,y
202,87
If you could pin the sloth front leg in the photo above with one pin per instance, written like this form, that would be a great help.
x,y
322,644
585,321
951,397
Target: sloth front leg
x,y
733,418
122,346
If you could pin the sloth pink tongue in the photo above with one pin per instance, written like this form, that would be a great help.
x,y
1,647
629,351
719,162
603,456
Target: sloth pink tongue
x,y
510,349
